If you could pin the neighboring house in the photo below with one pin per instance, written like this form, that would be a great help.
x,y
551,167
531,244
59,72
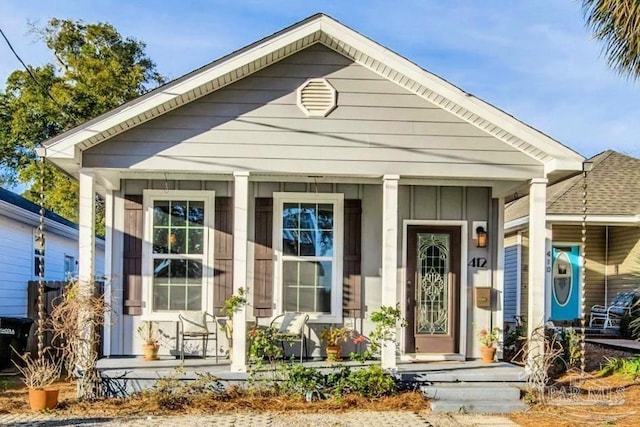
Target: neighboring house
x,y
19,254
324,173
612,240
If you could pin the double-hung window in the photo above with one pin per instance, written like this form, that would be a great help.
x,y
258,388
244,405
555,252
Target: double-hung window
x,y
308,242
178,244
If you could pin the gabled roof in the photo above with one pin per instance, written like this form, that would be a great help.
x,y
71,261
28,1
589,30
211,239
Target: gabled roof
x,y
65,149
613,189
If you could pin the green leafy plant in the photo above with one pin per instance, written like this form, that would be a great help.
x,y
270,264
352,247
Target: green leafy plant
x,y
230,307
371,381
333,336
571,346
629,368
386,320
265,344
303,379
489,338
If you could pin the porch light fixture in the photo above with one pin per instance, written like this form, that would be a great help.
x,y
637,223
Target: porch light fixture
x,y
481,239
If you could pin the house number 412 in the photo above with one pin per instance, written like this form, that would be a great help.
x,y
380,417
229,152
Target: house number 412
x,y
478,262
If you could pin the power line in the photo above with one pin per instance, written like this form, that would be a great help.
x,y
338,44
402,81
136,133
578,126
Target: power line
x,y
42,88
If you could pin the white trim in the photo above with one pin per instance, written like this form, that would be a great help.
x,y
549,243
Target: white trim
x,y
464,285
240,261
577,219
498,274
149,196
108,266
337,199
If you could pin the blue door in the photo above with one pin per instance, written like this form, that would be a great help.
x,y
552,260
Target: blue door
x,y
565,286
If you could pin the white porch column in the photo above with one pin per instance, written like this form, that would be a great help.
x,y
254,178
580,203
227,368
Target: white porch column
x,y
108,267
537,267
240,246
389,257
87,232
498,241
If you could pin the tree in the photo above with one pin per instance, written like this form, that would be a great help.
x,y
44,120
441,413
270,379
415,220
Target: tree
x,y
616,23
95,70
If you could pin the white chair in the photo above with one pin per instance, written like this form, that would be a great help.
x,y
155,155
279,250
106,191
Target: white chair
x,y
622,304
193,326
291,328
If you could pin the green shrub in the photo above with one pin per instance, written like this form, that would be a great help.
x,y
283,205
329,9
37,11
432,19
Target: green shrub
x,y
372,381
619,366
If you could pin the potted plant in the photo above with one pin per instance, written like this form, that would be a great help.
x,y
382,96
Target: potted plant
x,y
150,333
333,336
39,375
488,339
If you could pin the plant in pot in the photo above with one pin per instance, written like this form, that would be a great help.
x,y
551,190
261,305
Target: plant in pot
x,y
230,307
150,333
39,375
333,336
488,339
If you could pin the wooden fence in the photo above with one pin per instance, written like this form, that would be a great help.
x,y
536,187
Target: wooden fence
x,y
52,291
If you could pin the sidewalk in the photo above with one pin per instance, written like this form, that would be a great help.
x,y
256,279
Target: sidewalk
x,y
344,419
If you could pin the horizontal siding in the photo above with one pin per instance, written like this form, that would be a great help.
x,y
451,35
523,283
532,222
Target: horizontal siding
x,y
595,259
378,127
524,276
510,282
624,260
17,262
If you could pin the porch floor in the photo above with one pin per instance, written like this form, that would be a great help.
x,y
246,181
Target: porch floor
x,y
125,375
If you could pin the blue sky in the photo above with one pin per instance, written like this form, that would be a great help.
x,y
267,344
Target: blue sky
x,y
532,58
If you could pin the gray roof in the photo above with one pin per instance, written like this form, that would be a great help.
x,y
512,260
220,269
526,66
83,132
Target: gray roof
x,y
21,202
613,188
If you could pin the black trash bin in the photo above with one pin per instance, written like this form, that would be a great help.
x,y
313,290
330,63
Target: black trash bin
x,y
14,332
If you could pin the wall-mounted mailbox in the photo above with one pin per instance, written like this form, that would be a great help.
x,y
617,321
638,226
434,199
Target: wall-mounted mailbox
x,y
483,297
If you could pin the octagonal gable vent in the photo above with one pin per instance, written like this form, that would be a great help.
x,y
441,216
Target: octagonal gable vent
x,y
316,97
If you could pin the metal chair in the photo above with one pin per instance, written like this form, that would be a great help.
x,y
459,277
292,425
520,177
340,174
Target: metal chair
x,y
291,328
622,304
193,326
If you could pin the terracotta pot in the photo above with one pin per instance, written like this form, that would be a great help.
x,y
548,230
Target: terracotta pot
x,y
334,353
40,399
150,351
488,354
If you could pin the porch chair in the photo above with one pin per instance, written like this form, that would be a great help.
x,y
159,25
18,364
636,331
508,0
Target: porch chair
x,y
291,328
622,304
193,326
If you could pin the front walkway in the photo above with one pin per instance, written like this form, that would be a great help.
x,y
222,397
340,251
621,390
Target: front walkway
x,y
344,419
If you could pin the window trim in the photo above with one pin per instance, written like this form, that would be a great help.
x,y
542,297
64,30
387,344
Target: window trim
x,y
337,199
150,196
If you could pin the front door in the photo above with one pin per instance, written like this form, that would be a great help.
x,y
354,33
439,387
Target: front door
x,y
565,301
433,289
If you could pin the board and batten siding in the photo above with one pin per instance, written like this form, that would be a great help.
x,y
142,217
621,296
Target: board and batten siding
x,y
254,124
623,261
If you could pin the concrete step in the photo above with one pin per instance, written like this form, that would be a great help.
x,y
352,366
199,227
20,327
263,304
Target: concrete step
x,y
471,392
477,406
499,372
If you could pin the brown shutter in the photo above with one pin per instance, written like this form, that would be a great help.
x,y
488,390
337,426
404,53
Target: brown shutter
x,y
263,258
132,255
223,253
352,284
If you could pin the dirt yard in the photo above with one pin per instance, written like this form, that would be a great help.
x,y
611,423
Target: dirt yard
x,y
572,401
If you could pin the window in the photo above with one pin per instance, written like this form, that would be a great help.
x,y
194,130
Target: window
x,y
69,266
177,247
38,253
308,239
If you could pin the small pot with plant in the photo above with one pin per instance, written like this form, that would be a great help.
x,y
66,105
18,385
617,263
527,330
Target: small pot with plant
x,y
488,339
333,336
39,375
150,333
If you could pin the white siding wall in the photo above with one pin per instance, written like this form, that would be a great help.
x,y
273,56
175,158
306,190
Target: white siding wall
x,y
377,128
17,262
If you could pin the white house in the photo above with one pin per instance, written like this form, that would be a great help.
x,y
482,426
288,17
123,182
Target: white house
x,y
19,257
325,173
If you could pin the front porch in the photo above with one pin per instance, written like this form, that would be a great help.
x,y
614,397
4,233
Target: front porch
x,y
450,386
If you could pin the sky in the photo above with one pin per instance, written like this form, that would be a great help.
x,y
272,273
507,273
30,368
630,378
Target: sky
x,y
531,58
